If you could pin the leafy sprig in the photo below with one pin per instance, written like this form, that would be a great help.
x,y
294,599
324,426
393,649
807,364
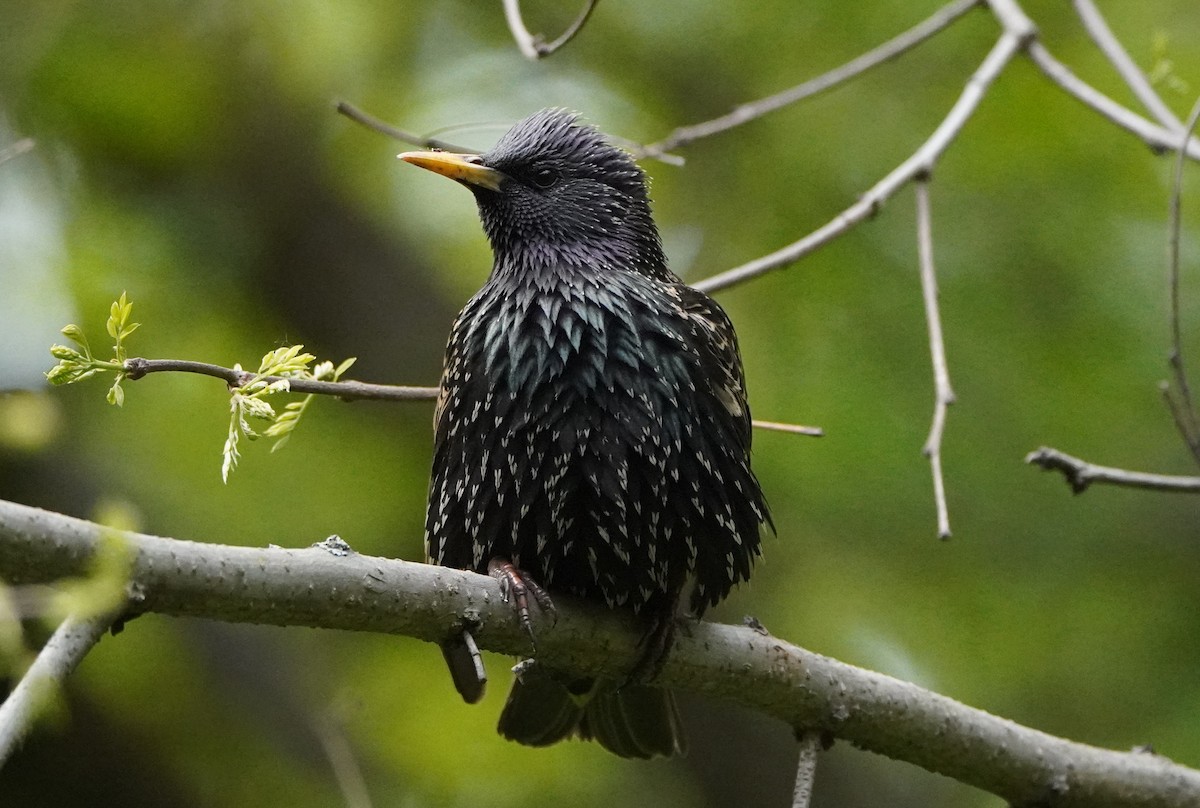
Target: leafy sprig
x,y
77,364
1163,72
247,400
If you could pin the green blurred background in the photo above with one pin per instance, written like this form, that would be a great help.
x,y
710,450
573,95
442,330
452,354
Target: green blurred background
x,y
189,153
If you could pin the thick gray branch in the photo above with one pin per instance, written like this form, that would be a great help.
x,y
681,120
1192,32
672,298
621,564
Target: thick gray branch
x,y
317,587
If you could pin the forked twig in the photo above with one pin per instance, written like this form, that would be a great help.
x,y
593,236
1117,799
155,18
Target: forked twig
x,y
1158,138
1097,28
531,46
889,50
943,393
1080,473
920,163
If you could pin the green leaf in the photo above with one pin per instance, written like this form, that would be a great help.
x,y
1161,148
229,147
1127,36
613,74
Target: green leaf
x,y
342,368
229,453
257,408
75,334
70,372
62,373
65,353
116,393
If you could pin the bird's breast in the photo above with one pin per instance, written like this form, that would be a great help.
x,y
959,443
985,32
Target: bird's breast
x,y
566,338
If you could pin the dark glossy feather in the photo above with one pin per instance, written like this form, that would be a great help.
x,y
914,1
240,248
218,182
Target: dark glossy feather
x,y
593,425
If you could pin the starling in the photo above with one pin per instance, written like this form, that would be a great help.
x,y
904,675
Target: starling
x,y
592,434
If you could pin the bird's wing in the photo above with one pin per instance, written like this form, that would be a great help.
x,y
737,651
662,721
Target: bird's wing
x,y
720,358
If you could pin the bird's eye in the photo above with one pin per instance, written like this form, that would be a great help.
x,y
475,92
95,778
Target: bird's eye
x,y
544,177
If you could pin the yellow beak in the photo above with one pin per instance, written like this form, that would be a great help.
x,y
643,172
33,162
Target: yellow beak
x,y
464,168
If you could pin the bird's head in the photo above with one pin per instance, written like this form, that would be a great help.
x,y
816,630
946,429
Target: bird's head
x,y
555,192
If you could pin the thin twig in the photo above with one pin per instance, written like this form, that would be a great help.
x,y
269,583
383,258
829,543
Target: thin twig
x,y
137,367
943,393
16,149
1097,28
793,429
58,657
371,122
432,142
806,768
921,163
1184,418
1080,473
346,770
889,50
533,47
1158,138
1185,409
572,30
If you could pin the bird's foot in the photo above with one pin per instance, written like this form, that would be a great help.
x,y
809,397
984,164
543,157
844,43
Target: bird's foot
x,y
516,587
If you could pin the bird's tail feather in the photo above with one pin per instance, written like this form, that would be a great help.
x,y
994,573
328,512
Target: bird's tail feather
x,y
635,721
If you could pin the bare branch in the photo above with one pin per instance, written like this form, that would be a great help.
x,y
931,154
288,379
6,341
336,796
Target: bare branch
x,y
889,50
943,393
431,142
1158,138
809,744
572,30
1080,473
794,429
371,122
1097,28
69,644
921,163
1185,419
23,145
137,367
533,47
1013,19
313,587
341,758
1185,409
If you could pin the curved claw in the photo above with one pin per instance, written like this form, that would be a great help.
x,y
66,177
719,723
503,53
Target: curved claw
x,y
516,586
